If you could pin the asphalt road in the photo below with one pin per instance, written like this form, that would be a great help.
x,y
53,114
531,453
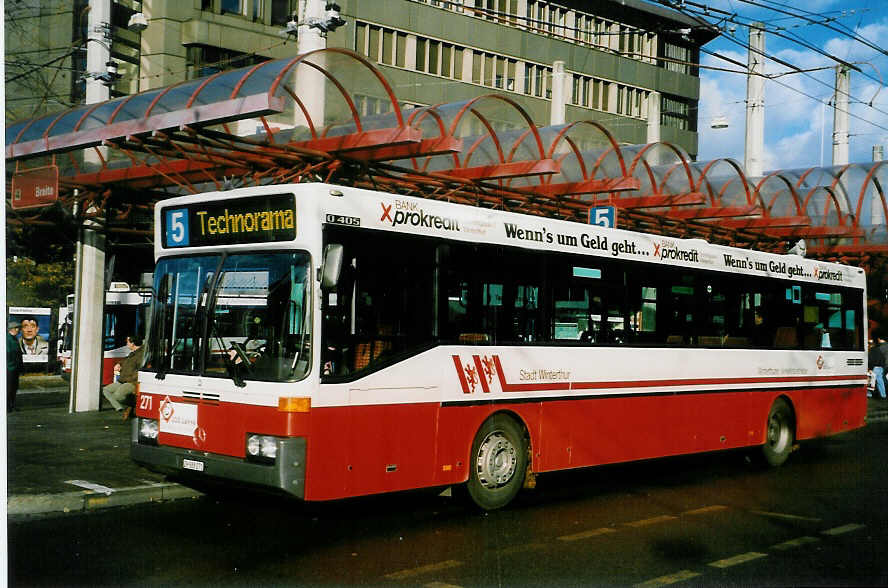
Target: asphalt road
x,y
703,520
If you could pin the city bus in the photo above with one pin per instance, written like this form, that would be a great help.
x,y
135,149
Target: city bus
x,y
330,342
124,315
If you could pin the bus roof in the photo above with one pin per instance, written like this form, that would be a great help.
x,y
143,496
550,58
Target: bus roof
x,y
316,204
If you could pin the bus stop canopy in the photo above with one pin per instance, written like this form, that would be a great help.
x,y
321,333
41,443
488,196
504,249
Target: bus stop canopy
x,y
331,115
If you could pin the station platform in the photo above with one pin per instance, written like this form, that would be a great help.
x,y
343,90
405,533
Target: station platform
x,y
61,462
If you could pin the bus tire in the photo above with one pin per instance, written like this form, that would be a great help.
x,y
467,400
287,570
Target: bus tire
x,y
498,462
779,433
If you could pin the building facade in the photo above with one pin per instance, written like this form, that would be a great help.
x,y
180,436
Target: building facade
x,y
625,61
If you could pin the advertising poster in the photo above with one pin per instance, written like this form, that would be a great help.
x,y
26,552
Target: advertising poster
x,y
33,334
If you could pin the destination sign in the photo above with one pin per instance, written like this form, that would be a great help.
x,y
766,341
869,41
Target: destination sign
x,y
258,219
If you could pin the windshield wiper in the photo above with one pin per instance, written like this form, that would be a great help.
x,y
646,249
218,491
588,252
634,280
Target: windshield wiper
x,y
208,293
206,328
156,321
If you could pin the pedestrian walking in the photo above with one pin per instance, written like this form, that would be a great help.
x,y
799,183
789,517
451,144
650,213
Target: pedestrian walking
x,y
14,364
882,346
876,364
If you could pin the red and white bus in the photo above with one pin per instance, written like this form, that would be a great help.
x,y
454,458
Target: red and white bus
x,y
331,342
124,315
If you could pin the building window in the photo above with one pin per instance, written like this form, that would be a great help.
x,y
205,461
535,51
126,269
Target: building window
x,y
282,11
678,113
231,6
205,60
677,57
537,80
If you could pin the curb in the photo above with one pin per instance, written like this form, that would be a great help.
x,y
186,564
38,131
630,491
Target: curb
x,y
87,500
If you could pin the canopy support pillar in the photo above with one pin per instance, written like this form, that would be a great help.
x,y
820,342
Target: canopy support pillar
x,y
86,376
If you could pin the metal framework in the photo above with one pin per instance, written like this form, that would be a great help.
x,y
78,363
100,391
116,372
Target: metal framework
x,y
331,115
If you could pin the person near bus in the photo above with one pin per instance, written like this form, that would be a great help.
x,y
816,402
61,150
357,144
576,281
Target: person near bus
x,y
14,364
32,343
882,346
121,392
876,365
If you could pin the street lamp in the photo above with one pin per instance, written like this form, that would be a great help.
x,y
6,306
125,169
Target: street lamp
x,y
137,22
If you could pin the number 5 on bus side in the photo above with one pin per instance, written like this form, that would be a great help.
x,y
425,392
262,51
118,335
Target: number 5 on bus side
x,y
603,216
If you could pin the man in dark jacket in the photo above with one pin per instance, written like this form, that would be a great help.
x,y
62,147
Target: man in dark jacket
x,y
14,364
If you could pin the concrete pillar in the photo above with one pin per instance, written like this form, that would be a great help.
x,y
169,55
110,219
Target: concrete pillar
x,y
98,49
89,302
877,213
558,112
310,83
89,279
840,116
755,102
653,117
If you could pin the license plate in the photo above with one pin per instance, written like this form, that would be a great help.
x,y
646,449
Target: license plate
x,y
191,464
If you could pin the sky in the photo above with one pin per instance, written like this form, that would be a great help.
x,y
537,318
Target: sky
x,y
798,115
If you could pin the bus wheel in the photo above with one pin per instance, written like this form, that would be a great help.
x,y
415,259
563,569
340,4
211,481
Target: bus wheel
x,y
498,462
780,433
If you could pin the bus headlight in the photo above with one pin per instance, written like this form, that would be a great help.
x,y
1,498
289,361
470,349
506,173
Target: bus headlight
x,y
148,431
261,447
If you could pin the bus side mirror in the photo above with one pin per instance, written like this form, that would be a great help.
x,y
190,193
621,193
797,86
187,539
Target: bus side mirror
x,y
332,266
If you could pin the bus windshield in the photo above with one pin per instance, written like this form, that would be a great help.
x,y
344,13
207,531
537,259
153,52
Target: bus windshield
x,y
243,316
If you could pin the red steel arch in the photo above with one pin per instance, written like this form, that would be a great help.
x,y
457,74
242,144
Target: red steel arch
x,y
486,151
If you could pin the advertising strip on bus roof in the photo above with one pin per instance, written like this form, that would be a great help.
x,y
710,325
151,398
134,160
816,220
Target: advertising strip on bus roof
x,y
265,214
455,221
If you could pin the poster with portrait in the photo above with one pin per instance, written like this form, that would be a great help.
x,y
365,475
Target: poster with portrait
x,y
34,329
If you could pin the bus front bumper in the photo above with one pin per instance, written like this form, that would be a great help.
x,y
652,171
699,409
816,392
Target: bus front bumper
x,y
287,473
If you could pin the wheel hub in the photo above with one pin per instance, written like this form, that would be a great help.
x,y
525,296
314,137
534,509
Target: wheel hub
x,y
496,461
776,433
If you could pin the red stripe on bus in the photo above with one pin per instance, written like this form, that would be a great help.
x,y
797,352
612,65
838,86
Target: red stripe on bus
x,y
711,381
482,377
461,374
547,387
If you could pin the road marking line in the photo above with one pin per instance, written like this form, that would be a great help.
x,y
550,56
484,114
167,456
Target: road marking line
x,y
795,543
738,559
91,486
788,517
435,567
705,510
519,548
670,579
651,521
587,534
843,529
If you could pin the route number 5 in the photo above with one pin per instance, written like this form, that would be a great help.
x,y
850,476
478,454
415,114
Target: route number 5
x,y
177,227
603,216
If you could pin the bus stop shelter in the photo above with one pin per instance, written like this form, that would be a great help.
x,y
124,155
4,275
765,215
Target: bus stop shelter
x,y
330,115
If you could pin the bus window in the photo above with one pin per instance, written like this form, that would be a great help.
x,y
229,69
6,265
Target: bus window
x,y
830,321
587,306
642,313
525,317
252,315
683,308
375,313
